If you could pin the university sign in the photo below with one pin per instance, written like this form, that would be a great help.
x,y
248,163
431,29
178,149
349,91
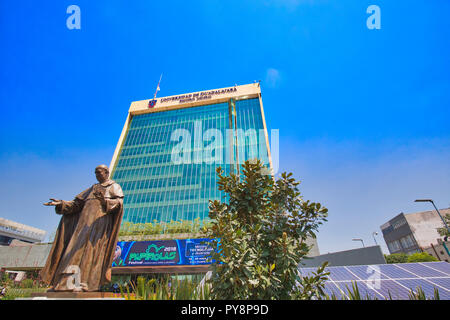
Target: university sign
x,y
162,253
197,96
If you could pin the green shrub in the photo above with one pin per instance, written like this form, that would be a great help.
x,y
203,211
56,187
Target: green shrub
x,y
396,258
165,288
27,283
157,227
421,257
13,293
262,228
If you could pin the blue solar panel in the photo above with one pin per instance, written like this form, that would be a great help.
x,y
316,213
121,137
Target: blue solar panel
x,y
388,281
340,274
426,286
365,292
307,272
331,288
391,271
441,266
392,289
421,270
442,283
363,272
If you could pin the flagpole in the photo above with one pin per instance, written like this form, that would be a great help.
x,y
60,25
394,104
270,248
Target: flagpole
x,y
157,88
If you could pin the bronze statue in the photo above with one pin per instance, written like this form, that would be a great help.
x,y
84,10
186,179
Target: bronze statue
x,y
85,241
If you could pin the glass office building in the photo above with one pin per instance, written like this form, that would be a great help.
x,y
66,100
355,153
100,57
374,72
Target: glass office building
x,y
170,147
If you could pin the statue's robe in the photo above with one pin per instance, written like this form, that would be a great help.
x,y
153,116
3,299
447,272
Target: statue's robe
x,y
86,239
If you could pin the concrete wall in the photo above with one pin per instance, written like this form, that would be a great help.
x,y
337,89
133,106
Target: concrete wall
x,y
314,251
362,256
424,224
438,251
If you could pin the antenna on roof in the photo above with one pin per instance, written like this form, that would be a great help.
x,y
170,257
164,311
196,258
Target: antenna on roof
x,y
157,88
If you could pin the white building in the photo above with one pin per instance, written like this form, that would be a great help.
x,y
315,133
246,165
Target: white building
x,y
10,230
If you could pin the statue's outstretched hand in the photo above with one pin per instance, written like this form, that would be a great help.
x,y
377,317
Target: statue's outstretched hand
x,y
54,202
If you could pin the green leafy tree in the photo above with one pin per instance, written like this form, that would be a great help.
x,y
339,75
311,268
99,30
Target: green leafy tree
x,y
260,234
421,257
396,258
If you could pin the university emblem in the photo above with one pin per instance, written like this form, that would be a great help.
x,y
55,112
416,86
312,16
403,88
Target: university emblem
x,y
151,103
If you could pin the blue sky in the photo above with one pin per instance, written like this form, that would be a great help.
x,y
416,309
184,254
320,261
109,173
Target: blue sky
x,y
363,114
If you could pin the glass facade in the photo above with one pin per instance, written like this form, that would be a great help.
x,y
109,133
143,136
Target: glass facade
x,y
158,188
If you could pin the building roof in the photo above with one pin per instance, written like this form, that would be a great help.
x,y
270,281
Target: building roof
x,y
21,231
415,216
205,97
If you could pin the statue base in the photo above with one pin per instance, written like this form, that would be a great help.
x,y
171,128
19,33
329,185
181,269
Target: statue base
x,y
75,295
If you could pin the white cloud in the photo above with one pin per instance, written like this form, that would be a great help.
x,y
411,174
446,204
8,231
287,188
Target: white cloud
x,y
272,77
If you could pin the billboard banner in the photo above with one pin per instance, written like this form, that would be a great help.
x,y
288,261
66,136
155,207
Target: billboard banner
x,y
162,252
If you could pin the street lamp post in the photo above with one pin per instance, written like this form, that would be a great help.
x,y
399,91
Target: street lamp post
x,y
360,240
374,239
432,202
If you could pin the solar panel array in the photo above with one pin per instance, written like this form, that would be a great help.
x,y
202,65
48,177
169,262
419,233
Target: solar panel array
x,y
388,281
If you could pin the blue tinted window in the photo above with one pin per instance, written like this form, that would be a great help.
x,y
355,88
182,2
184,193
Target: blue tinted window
x,y
155,187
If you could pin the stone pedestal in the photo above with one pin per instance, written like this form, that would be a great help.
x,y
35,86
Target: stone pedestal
x,y
75,295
